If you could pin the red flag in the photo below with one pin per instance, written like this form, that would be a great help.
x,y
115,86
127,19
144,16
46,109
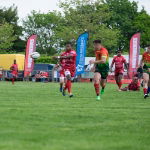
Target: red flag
x,y
29,62
134,54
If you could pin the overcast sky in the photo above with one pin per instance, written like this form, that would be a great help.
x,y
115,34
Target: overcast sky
x,y
26,6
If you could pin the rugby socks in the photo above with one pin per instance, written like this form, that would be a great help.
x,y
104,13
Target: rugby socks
x,y
97,89
148,90
117,83
68,86
13,80
120,85
145,91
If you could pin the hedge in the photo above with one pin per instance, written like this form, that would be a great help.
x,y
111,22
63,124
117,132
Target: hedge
x,y
46,60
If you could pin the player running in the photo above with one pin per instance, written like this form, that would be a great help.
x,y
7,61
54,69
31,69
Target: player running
x,y
145,64
68,68
14,71
119,62
101,65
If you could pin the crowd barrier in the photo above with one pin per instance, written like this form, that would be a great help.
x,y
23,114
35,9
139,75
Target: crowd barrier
x,y
51,76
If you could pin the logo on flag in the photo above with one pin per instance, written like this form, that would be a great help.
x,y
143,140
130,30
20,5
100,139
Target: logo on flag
x,y
134,54
30,48
81,52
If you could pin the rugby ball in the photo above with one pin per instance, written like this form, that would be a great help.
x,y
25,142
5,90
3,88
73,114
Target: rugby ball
x,y
35,55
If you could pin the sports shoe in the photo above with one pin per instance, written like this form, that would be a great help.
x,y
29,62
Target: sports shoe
x,y
71,95
146,95
98,98
102,91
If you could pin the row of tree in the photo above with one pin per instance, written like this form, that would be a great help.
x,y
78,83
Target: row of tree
x,y
10,31
112,21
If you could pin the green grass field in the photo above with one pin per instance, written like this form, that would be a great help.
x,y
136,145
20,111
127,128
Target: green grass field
x,y
34,116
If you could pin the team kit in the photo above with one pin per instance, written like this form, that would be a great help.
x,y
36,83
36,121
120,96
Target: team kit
x,y
100,66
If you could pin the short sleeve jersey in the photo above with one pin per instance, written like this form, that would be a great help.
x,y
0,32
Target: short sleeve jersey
x,y
14,69
119,61
103,52
69,63
146,59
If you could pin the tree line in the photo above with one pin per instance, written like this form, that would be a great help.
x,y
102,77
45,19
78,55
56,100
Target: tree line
x,y
112,21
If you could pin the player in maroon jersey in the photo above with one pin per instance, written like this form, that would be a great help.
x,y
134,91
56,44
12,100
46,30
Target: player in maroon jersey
x,y
134,85
119,62
14,71
68,67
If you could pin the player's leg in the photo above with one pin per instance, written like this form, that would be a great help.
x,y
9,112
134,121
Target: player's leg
x,y
116,78
62,81
68,84
70,79
120,81
103,82
145,84
140,77
148,90
13,80
124,89
97,78
103,85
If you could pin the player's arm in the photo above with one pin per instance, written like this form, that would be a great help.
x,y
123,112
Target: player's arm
x,y
56,66
102,61
126,65
63,57
17,69
112,64
66,57
11,68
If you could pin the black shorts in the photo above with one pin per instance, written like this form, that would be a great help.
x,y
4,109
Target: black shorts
x,y
146,69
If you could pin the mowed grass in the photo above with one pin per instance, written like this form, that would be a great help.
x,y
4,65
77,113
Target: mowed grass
x,y
34,116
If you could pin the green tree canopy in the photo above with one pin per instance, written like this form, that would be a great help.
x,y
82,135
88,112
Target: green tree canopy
x,y
86,15
142,24
112,21
46,26
123,14
10,16
6,37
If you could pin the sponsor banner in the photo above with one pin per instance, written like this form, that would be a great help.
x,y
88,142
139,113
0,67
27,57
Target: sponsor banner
x,y
134,54
30,48
81,52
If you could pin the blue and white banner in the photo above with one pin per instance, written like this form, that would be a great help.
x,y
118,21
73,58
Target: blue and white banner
x,y
81,52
